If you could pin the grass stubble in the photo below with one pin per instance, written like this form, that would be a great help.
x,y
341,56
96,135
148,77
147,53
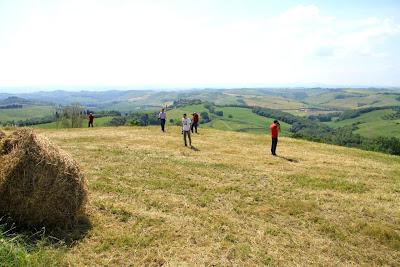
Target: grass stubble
x,y
154,202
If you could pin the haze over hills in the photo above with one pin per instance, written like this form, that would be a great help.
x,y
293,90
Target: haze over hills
x,y
98,96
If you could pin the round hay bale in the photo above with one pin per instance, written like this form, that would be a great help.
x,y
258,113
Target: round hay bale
x,y
40,184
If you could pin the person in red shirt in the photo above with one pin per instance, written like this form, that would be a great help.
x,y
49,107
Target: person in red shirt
x,y
275,128
195,121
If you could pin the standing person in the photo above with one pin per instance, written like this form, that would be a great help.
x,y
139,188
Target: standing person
x,y
275,129
186,124
163,117
90,119
195,121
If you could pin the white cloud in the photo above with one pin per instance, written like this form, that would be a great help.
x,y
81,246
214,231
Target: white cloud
x,y
82,42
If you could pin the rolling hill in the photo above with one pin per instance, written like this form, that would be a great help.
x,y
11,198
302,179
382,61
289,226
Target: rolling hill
x,y
227,202
301,101
236,119
385,122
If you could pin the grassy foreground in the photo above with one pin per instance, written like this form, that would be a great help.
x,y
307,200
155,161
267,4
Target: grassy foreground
x,y
228,202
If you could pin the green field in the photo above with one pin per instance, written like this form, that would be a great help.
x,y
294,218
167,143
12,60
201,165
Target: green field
x,y
234,119
28,112
177,113
372,124
353,99
274,102
154,202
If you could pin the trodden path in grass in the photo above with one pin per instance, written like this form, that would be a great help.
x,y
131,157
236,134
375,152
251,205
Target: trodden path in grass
x,y
229,202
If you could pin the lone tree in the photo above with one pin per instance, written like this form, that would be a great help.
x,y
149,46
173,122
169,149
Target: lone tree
x,y
71,116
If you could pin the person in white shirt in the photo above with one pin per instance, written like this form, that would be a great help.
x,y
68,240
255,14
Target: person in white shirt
x,y
186,125
163,117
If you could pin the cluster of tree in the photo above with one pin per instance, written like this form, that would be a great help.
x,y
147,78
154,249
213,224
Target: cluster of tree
x,y
11,106
28,122
211,108
344,96
205,117
393,116
71,116
325,117
316,131
240,101
136,118
117,121
185,102
102,113
277,114
354,113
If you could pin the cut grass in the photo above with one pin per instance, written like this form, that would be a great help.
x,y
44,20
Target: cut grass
x,y
331,183
155,202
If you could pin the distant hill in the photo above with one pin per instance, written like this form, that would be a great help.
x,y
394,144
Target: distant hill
x,y
322,104
4,96
14,100
299,100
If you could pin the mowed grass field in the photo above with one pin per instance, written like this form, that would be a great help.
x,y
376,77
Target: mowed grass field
x,y
227,202
372,124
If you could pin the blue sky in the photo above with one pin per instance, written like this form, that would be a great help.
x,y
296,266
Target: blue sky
x,y
204,43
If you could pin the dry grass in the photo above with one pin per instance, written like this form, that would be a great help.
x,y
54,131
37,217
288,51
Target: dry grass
x,y
155,202
40,185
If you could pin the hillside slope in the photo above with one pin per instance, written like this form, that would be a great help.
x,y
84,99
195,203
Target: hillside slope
x,y
228,202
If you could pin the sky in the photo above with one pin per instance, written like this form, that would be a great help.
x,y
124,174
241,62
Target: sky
x,y
199,43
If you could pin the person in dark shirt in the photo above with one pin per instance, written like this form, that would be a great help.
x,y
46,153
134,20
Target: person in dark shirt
x,y
162,116
275,128
90,119
195,121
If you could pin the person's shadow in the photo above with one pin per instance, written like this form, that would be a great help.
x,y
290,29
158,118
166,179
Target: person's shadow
x,y
194,148
288,159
